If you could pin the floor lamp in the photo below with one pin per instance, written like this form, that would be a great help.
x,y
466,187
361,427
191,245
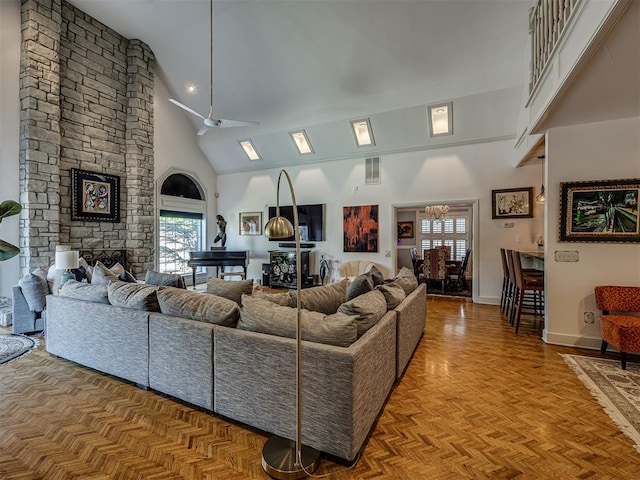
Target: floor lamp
x,y
282,458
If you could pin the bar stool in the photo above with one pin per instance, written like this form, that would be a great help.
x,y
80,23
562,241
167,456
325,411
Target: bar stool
x,y
526,283
507,286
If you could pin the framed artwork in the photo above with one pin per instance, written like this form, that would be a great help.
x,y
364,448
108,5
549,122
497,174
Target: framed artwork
x,y
599,211
360,228
250,223
95,197
405,229
512,203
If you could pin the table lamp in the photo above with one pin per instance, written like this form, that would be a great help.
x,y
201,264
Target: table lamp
x,y
67,261
281,457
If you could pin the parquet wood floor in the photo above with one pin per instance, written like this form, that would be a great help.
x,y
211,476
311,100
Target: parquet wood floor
x,y
475,402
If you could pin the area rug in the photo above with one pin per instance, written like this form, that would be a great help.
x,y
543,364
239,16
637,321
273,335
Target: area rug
x,y
13,346
617,390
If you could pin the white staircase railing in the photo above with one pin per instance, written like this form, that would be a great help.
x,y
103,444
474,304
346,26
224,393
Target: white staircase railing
x,y
547,22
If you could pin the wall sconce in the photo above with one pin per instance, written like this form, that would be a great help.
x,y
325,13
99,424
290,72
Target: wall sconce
x,y
363,132
302,142
440,119
250,149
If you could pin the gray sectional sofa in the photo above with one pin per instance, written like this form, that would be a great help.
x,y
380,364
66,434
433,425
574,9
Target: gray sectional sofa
x,y
245,375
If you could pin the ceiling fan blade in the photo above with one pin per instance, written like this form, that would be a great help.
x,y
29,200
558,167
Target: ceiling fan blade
x,y
184,107
223,123
203,130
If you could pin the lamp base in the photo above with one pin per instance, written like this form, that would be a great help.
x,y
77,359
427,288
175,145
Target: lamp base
x,y
279,459
66,276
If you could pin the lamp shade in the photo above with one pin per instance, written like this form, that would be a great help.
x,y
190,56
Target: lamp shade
x,y
278,227
67,260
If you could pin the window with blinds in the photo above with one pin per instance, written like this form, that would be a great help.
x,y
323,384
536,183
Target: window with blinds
x,y
453,232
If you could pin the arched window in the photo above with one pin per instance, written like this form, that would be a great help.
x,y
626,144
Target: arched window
x,y
181,226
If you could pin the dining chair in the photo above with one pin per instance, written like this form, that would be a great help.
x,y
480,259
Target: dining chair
x,y
458,271
434,266
417,265
525,283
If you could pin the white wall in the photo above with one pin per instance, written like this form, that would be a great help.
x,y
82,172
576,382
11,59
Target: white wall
x,y
597,151
455,173
176,151
9,131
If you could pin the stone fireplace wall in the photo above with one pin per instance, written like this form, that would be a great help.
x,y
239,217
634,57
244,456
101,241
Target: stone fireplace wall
x,y
86,98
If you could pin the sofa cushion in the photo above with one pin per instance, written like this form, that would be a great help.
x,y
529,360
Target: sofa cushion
x,y
102,275
360,285
325,299
35,290
282,299
134,295
85,291
164,279
368,308
233,290
406,279
393,294
376,276
53,279
198,306
259,315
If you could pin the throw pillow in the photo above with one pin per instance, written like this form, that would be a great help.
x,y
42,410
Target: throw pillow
x,y
393,294
406,279
134,295
85,291
259,315
127,277
88,269
164,279
198,306
369,309
35,290
233,290
102,275
117,268
361,284
376,276
325,299
282,299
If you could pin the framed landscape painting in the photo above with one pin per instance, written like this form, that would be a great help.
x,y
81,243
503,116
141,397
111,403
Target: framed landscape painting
x,y
599,211
512,203
94,196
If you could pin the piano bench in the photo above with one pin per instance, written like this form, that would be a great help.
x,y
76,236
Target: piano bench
x,y
230,274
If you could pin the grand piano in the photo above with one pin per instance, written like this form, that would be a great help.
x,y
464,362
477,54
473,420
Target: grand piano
x,y
218,258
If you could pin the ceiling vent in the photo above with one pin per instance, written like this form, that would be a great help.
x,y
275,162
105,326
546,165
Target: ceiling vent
x,y
372,171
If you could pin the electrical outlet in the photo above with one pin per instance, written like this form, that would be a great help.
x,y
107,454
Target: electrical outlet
x,y
518,239
588,317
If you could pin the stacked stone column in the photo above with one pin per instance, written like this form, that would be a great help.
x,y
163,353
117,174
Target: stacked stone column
x,y
86,98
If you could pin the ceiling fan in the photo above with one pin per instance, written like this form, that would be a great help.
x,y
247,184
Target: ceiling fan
x,y
210,121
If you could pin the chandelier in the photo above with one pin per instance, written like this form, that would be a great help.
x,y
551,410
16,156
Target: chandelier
x,y
436,212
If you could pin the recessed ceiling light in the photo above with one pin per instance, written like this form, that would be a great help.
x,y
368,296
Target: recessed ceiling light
x,y
302,142
363,132
440,119
250,149
191,88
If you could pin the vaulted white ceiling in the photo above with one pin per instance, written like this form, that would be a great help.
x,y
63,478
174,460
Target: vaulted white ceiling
x,y
316,64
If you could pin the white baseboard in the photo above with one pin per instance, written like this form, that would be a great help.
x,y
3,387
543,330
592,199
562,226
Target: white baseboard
x,y
591,343
487,300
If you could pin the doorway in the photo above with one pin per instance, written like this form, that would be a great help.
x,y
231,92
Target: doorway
x,y
457,230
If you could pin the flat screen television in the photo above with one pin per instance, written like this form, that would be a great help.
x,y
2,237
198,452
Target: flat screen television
x,y
310,218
